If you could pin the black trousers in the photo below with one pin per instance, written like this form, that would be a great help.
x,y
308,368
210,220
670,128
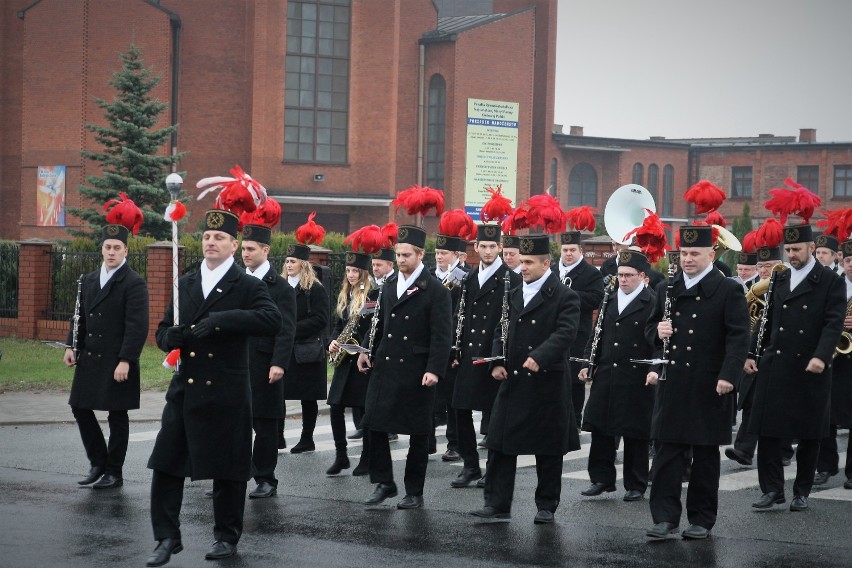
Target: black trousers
x,y
357,415
578,397
452,429
108,456
310,411
483,424
602,461
229,501
770,471
381,466
702,494
467,439
337,416
500,481
829,458
264,456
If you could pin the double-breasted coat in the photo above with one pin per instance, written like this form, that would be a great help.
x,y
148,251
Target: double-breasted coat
x,y
113,327
806,322
349,385
619,403
841,391
206,427
445,389
267,400
309,381
413,337
532,413
710,342
474,388
587,283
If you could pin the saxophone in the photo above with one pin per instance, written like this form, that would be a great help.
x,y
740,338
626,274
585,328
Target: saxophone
x,y
346,337
844,344
609,284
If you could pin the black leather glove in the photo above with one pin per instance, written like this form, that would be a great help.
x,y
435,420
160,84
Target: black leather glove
x,y
175,337
204,328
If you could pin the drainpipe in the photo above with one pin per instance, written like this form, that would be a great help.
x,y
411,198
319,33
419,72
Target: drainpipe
x,y
174,19
420,109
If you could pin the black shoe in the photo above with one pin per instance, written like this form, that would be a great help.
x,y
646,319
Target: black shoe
x,y
394,438
208,493
769,499
633,495
661,531
481,443
799,503
263,490
596,489
451,456
821,477
382,492
491,513
848,484
738,456
163,553
466,477
108,481
695,532
543,517
786,461
357,435
361,469
94,474
481,483
341,462
410,502
303,446
221,549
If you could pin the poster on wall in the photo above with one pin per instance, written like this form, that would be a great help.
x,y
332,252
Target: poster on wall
x,y
491,156
50,197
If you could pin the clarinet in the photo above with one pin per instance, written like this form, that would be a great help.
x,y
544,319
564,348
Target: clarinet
x,y
75,330
504,327
374,323
667,316
609,285
456,352
764,317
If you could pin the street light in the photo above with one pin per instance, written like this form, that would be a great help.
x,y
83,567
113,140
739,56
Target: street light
x,y
173,184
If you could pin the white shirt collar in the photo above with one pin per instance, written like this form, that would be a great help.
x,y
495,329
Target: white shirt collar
x,y
209,278
563,270
293,280
441,274
484,275
625,299
799,274
690,282
261,270
385,278
107,274
517,269
531,289
404,284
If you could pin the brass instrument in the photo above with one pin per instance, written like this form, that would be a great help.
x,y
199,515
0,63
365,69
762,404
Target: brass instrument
x,y
453,278
755,297
346,337
610,282
844,344
75,330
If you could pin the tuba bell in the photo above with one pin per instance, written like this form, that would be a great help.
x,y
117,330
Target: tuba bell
x,y
726,240
625,210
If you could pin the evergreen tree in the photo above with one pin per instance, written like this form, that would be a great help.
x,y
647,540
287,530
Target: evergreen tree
x,y
132,160
742,224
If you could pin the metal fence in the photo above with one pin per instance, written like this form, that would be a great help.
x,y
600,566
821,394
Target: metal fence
x,y
66,268
8,280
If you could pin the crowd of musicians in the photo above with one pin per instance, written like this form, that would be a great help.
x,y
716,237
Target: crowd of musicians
x,y
518,338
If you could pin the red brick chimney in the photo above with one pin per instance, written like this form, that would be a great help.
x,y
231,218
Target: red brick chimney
x,y
807,135
576,131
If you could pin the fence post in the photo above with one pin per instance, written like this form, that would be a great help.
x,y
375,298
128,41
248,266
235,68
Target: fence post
x,y
34,285
159,282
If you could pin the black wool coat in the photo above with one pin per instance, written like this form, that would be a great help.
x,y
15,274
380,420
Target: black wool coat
x,y
309,381
206,430
587,283
413,337
349,385
267,400
841,391
474,388
532,413
444,392
803,323
619,403
710,342
113,327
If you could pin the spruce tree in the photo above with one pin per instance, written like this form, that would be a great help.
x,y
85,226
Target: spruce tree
x,y
742,224
132,160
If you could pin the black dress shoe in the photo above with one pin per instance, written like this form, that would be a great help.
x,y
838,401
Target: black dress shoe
x,y
208,493
451,456
382,492
221,549
848,484
481,483
543,517
357,435
695,532
491,513
410,502
596,489
361,469
821,477
466,477
94,474
633,495
799,503
263,490
769,499
303,446
341,462
661,531
163,553
738,456
108,481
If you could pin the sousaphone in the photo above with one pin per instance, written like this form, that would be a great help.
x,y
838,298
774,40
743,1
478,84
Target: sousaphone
x,y
625,210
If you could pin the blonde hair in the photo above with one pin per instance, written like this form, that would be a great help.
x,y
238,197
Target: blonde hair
x,y
307,276
359,294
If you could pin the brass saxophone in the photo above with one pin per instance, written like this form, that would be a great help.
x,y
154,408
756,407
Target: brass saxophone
x,y
844,344
346,337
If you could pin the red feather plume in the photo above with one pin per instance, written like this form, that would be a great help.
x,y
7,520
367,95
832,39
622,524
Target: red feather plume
x,y
581,218
749,244
267,215
543,211
676,240
716,218
419,200
310,233
651,237
516,221
390,234
714,233
367,239
497,207
124,212
705,195
457,223
770,234
837,223
238,194
793,200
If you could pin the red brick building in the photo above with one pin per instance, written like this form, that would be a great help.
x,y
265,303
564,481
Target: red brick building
x,y
334,105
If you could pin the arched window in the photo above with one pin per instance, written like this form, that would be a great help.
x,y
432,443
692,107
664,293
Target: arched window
x,y
436,125
638,173
553,179
583,186
653,181
668,191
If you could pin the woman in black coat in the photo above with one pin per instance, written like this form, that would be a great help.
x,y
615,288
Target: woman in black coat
x,y
306,375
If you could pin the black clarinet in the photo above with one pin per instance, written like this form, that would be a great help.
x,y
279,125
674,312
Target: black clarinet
x,y
75,330
667,316
609,285
504,328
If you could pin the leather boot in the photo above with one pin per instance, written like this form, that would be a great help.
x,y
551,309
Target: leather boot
x,y
341,462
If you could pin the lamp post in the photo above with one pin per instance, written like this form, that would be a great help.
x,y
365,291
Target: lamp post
x,y
173,184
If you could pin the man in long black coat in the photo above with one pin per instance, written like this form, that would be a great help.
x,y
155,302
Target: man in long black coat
x,y
793,385
708,341
269,358
112,328
411,353
207,422
532,414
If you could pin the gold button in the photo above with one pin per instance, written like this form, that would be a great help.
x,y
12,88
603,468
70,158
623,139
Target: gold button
x,y
192,353
190,381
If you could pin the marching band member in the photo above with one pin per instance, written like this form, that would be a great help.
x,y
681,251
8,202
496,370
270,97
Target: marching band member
x,y
826,253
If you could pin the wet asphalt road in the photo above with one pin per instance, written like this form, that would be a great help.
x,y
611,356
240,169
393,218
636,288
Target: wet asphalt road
x,y
46,519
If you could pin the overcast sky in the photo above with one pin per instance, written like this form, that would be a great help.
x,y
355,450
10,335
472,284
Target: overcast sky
x,y
689,69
